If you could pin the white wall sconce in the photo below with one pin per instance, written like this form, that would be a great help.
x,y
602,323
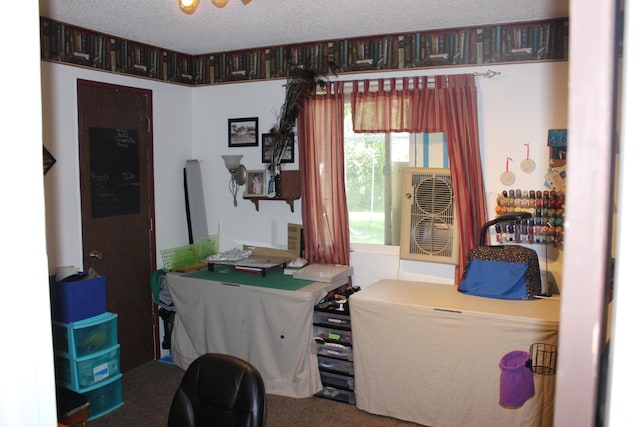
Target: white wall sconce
x,y
238,174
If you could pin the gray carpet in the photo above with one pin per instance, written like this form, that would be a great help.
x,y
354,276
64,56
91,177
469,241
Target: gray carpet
x,y
148,390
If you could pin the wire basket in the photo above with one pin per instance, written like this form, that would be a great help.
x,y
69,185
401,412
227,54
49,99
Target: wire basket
x,y
543,358
187,256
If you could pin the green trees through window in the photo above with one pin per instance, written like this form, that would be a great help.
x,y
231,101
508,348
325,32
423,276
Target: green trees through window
x,y
373,165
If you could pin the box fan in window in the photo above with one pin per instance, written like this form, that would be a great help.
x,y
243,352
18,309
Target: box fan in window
x,y
429,230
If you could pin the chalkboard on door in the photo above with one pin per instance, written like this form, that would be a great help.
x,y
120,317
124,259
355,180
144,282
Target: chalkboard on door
x,y
115,172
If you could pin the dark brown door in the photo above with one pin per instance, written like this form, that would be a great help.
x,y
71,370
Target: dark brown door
x,y
116,186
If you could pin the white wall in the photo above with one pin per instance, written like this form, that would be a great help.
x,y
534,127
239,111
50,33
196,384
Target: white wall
x,y
516,107
27,387
172,147
213,106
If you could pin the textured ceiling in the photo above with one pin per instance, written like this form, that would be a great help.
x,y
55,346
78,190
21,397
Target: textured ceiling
x,y
279,22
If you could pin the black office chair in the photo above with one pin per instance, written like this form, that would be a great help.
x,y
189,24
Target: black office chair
x,y
219,390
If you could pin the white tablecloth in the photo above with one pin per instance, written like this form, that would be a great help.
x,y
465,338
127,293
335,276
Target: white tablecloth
x,y
270,328
428,354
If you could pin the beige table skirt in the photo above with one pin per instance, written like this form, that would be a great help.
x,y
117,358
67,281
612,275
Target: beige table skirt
x,y
428,354
270,328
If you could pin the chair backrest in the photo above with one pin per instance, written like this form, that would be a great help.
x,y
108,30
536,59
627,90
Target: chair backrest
x,y
221,390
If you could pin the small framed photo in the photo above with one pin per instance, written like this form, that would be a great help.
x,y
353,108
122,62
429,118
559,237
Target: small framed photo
x,y
243,132
267,147
256,185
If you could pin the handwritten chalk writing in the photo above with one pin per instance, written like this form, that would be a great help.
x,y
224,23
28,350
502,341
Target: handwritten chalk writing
x,y
114,168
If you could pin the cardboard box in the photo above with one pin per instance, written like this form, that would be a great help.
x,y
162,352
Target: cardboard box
x,y
80,299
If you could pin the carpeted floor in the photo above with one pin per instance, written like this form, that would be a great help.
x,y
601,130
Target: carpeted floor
x,y
148,390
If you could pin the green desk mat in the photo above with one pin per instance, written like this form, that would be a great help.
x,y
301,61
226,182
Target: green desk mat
x,y
274,279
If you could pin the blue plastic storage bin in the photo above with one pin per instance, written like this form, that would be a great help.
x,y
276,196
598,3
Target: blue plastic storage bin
x,y
78,299
84,372
81,338
104,397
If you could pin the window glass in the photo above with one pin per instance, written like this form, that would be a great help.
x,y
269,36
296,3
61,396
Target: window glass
x,y
373,173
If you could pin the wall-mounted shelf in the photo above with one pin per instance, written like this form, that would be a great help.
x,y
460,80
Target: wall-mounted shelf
x,y
289,189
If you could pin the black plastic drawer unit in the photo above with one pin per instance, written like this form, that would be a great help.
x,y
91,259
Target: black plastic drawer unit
x,y
332,332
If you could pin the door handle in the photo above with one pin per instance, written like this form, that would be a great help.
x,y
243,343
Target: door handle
x,y
95,254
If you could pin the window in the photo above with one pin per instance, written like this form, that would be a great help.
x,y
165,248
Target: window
x,y
373,170
373,173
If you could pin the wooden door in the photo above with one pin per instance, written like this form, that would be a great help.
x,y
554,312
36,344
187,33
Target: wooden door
x,y
116,186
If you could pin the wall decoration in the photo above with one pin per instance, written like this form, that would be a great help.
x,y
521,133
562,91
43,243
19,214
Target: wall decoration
x,y
47,159
243,132
557,175
527,165
556,178
485,44
507,177
287,154
557,142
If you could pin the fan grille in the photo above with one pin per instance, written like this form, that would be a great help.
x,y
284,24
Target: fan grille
x,y
429,230
433,195
433,236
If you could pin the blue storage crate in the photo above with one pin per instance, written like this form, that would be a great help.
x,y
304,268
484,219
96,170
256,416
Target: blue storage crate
x,y
104,397
78,374
79,299
81,338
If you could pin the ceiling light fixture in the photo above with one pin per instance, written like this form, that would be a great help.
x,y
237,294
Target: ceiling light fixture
x,y
190,6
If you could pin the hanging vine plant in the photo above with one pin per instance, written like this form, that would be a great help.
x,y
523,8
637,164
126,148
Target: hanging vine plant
x,y
301,85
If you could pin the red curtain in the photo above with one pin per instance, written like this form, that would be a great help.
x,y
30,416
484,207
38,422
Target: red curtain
x,y
439,104
325,217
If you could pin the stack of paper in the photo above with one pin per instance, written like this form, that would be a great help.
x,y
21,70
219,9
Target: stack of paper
x,y
326,273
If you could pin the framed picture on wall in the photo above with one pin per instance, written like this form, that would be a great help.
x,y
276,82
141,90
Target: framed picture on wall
x,y
557,142
243,132
256,185
267,147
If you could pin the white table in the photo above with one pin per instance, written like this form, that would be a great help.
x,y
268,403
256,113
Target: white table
x,y
428,354
270,328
